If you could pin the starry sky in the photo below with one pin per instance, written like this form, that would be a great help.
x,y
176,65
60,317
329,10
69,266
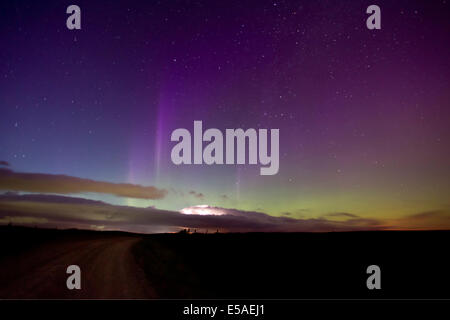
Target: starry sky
x,y
363,114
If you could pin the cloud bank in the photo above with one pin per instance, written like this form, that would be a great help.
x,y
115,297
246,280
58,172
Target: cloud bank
x,y
69,212
63,184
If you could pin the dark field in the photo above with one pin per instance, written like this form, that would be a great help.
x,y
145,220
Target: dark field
x,y
254,265
297,265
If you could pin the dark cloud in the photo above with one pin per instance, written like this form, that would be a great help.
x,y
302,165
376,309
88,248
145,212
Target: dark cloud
x,y
431,215
297,213
341,215
4,163
426,220
47,198
198,195
63,184
61,211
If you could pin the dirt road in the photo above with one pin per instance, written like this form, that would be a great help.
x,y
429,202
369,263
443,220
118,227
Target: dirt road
x,y
108,271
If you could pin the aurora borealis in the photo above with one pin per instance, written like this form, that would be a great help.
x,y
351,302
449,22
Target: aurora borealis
x,y
363,114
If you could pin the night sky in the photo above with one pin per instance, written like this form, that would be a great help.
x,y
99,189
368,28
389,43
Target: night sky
x,y
363,114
